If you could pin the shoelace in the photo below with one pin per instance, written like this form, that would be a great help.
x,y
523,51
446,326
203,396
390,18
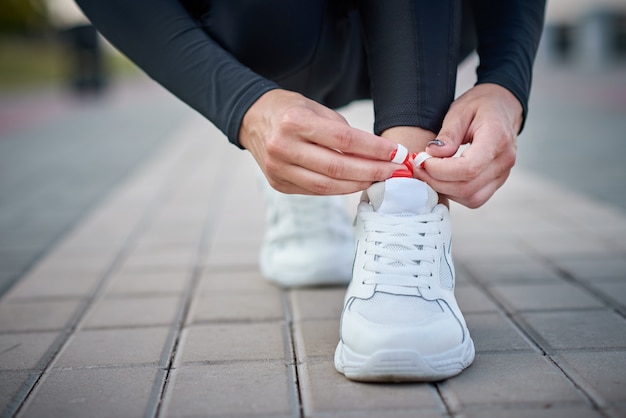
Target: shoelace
x,y
403,248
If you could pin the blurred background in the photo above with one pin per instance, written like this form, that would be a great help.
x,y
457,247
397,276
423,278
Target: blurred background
x,y
76,117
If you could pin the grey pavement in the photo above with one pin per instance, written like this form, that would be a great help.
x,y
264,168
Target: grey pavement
x,y
59,154
150,302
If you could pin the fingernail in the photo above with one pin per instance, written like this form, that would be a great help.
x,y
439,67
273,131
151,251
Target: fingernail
x,y
436,142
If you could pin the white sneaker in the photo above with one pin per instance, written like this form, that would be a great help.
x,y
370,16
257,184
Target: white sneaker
x,y
401,321
309,240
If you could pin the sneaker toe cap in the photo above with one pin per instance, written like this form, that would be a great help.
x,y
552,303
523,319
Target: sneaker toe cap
x,y
431,335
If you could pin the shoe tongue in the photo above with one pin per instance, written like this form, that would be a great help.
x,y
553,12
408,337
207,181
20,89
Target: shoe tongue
x,y
402,196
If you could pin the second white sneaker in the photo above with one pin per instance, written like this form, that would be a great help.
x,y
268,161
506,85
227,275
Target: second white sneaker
x,y
401,321
309,240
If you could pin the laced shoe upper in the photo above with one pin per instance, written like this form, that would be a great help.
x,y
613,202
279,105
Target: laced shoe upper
x,y
401,294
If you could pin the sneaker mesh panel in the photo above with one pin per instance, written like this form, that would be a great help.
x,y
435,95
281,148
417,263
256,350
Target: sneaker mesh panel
x,y
445,275
386,308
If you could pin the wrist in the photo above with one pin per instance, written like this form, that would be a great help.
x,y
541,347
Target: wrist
x,y
510,101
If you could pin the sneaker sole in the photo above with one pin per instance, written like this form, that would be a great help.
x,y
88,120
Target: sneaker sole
x,y
403,365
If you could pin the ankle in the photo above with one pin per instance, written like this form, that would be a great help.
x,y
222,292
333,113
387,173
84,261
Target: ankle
x,y
413,138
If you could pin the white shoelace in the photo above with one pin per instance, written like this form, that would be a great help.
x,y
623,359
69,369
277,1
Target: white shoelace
x,y
403,248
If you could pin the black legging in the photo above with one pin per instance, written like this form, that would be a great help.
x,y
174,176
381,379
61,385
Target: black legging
x,y
219,56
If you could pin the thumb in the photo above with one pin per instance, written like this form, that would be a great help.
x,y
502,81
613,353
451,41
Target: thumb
x,y
451,135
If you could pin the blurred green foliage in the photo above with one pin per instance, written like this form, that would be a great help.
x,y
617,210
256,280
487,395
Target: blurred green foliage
x,y
23,17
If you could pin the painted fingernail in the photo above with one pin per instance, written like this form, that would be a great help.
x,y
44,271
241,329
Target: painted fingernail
x,y
436,142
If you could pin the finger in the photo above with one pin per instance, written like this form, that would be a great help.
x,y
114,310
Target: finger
x,y
472,193
342,137
302,181
467,168
461,169
343,166
328,162
453,133
481,196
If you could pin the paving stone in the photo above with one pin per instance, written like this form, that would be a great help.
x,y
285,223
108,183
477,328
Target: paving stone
x,y
24,351
185,210
617,409
233,341
114,347
487,248
325,392
66,249
317,303
133,312
601,373
145,247
390,413
512,271
43,315
12,384
546,296
234,280
508,379
493,332
251,389
614,291
592,269
148,283
130,270
237,306
316,338
55,285
471,299
462,276
157,239
93,392
613,220
525,410
570,245
59,263
242,225
577,329
160,259
232,253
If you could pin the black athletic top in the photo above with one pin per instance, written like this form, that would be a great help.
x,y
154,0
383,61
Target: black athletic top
x,y
220,56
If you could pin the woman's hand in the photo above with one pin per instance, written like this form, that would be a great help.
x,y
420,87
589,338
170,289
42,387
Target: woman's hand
x,y
304,147
488,117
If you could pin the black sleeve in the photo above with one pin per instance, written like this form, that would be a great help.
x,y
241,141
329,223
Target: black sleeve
x,y
171,47
508,36
412,49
